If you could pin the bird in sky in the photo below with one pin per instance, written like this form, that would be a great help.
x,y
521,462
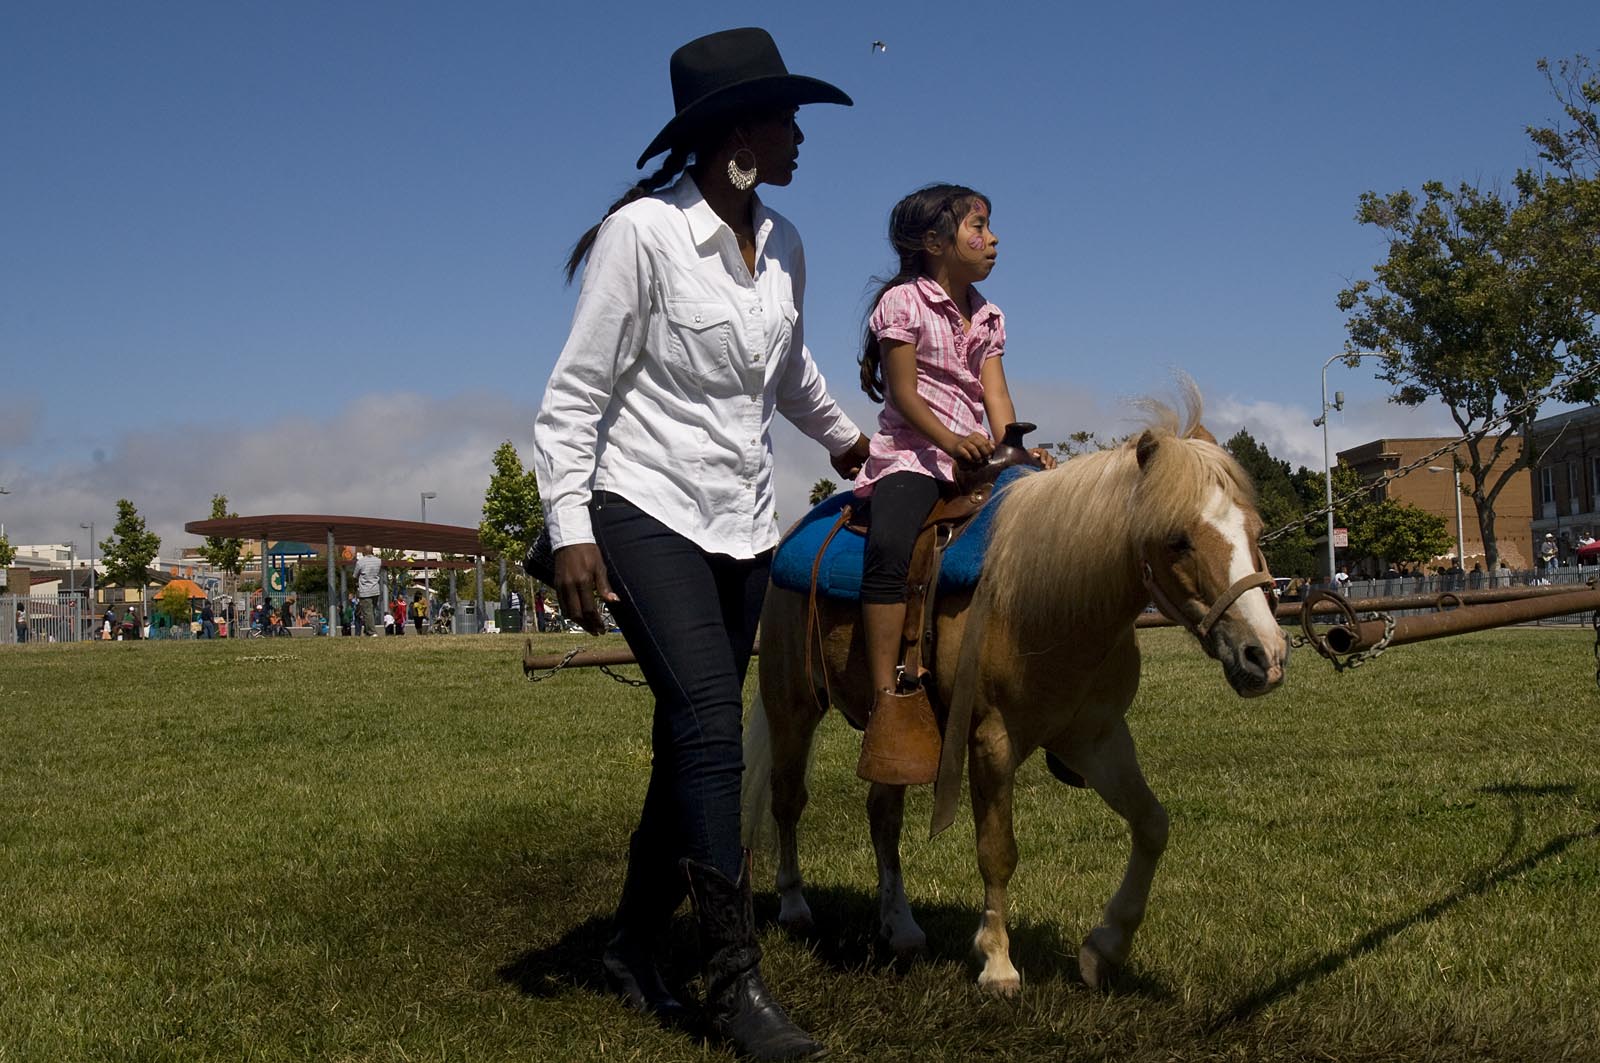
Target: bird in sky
x,y
879,46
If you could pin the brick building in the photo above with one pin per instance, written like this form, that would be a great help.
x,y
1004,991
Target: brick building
x,y
1565,492
1434,492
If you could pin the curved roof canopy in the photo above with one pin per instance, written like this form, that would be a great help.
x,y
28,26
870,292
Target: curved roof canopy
x,y
346,531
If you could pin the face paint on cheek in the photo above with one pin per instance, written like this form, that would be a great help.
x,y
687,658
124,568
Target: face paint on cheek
x,y
979,217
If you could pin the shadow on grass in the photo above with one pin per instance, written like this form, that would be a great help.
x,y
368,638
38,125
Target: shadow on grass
x,y
1478,883
846,939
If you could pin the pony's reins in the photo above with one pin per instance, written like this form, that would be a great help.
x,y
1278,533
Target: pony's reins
x,y
1202,629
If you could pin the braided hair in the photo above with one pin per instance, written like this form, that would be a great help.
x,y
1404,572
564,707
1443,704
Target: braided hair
x,y
671,167
936,209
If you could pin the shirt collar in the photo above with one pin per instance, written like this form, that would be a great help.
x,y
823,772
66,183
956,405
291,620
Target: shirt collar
x,y
978,309
705,223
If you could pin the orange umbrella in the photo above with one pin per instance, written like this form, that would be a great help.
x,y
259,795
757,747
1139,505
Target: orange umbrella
x,y
189,586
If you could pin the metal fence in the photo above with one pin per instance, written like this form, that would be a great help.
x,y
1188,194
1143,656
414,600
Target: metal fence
x,y
44,618
1574,576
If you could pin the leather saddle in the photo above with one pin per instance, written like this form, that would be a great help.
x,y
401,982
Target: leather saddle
x,y
950,517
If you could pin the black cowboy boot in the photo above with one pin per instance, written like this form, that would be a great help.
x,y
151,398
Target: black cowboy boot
x,y
629,962
741,1010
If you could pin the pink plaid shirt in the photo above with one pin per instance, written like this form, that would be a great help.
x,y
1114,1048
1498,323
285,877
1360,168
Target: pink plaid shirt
x,y
949,364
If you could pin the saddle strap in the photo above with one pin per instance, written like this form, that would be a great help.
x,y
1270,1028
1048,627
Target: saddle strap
x,y
920,643
814,617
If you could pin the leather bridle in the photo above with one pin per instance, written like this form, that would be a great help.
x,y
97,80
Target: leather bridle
x,y
1202,629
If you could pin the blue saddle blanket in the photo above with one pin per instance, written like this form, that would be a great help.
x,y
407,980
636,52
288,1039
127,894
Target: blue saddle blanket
x,y
840,574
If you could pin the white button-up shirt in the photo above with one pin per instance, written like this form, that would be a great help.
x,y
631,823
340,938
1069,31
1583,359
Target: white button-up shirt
x,y
676,362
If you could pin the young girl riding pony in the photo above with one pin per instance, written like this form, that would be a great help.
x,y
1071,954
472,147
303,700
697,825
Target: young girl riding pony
x,y
933,357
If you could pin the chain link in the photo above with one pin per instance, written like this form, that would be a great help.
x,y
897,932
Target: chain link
x,y
559,665
624,680
566,660
1511,413
1361,657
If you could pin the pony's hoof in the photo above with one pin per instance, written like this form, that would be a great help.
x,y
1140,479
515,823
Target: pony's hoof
x,y
906,948
794,916
1006,987
1096,968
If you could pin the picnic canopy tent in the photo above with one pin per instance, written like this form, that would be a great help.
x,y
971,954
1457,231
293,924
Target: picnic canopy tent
x,y
189,587
300,528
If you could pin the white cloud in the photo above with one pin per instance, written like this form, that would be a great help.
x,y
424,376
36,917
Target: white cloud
x,y
376,455
372,458
1287,432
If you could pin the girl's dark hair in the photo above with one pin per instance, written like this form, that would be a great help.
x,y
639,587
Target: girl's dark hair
x,y
671,167
937,209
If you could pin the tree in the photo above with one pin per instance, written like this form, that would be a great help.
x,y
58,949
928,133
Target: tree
x,y
310,580
823,490
1081,443
1485,300
8,552
512,515
1294,553
174,602
228,555
1572,194
130,549
1387,529
1464,310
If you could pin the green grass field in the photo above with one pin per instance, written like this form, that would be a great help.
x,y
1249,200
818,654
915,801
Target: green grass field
x,y
399,849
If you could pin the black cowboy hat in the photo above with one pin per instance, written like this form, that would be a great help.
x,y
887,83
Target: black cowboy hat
x,y
731,73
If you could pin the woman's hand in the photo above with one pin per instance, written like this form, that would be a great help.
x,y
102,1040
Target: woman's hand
x,y
971,449
848,463
581,584
1043,457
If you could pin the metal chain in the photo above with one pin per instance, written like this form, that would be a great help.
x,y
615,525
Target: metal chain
x,y
559,665
1511,413
624,679
1361,657
566,660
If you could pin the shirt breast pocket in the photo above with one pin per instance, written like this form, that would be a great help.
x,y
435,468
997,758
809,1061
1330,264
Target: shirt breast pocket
x,y
783,334
700,342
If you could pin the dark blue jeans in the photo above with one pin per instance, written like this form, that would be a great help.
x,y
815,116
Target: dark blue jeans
x,y
690,618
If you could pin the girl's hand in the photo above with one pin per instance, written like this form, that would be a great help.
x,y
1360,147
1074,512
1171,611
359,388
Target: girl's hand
x,y
1043,457
971,449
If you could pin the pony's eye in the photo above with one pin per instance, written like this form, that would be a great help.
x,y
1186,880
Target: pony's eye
x,y
1179,544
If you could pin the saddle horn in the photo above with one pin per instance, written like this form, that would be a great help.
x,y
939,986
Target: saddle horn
x,y
1008,452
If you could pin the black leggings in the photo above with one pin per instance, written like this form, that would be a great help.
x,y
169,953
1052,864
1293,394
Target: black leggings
x,y
690,618
898,507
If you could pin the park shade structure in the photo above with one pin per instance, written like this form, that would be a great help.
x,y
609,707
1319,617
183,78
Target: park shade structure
x,y
341,531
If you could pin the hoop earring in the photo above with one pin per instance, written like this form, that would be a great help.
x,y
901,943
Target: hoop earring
x,y
740,177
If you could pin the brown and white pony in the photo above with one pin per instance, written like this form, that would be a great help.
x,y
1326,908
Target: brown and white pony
x,y
1042,654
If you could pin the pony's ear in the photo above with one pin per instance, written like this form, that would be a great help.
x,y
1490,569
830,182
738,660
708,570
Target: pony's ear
x,y
1146,448
1199,432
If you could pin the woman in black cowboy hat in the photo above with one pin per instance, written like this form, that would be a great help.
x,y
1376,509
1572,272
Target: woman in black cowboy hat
x,y
655,469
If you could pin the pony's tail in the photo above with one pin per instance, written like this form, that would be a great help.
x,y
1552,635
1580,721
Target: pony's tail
x,y
757,827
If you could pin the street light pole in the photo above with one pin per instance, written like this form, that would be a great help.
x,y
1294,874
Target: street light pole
x,y
1461,538
93,603
425,570
1350,359
1327,459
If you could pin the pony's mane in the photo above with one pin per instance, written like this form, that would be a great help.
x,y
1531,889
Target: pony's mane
x,y
1069,539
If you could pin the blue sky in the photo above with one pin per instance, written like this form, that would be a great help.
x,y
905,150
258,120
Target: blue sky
x,y
308,254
